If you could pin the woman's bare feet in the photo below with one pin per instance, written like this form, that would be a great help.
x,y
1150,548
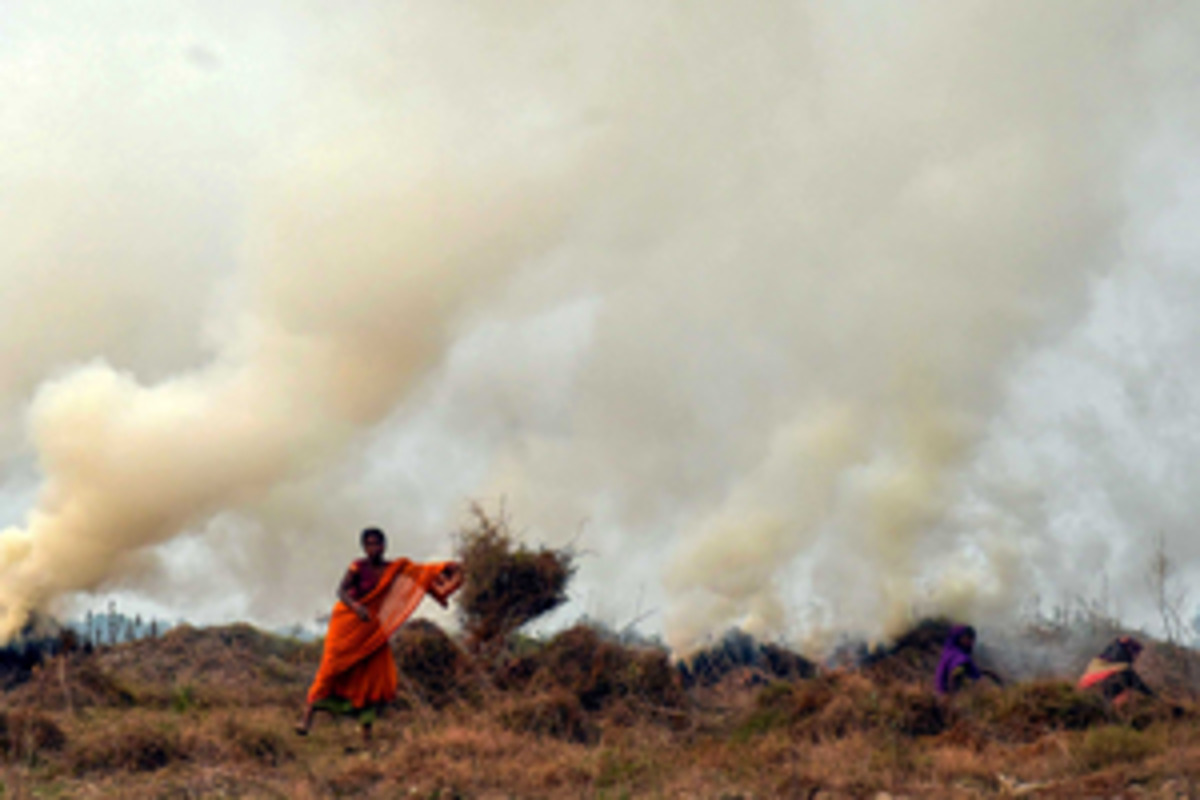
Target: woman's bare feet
x,y
305,723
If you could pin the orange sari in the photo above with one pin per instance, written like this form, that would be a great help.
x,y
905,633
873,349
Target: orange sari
x,y
357,664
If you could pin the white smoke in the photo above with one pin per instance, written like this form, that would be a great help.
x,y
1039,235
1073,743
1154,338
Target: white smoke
x,y
738,289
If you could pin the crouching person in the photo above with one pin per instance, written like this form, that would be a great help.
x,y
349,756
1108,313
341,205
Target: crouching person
x,y
957,668
1111,673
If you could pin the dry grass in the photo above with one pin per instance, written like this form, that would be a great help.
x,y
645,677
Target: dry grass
x,y
208,714
520,750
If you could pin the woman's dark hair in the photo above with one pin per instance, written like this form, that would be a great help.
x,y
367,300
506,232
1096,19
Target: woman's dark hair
x,y
1123,650
372,533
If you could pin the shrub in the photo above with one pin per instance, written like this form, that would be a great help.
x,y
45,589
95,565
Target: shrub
x,y
505,584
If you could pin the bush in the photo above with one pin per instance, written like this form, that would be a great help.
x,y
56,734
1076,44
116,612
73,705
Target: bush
x,y
505,584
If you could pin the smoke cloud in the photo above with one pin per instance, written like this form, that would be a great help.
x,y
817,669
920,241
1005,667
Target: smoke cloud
x,y
751,295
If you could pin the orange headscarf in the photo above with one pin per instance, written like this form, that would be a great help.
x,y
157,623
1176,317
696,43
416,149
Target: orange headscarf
x,y
357,664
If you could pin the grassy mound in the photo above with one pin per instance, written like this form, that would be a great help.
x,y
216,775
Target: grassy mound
x,y
235,665
598,672
842,704
434,671
1026,711
913,657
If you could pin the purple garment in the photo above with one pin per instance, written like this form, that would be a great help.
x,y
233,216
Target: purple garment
x,y
954,658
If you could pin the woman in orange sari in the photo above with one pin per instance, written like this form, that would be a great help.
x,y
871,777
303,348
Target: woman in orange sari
x,y
358,673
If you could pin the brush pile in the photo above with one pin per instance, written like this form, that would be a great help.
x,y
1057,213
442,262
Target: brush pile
x,y
506,584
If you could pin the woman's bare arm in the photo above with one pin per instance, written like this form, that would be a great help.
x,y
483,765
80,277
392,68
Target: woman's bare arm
x,y
343,594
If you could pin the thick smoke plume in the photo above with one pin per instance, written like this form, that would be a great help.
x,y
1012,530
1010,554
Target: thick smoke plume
x,y
744,288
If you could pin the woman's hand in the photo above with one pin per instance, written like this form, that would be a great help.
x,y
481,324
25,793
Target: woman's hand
x,y
451,579
361,611
446,584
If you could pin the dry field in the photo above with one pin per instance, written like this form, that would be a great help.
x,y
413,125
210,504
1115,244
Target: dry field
x,y
208,713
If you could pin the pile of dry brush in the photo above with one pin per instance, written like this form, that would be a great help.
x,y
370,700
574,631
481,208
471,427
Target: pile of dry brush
x,y
506,584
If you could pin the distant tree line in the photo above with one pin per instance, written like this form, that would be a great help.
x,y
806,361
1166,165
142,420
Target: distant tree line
x,y
113,627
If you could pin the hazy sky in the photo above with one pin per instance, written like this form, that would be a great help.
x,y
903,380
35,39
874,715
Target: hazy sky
x,y
790,315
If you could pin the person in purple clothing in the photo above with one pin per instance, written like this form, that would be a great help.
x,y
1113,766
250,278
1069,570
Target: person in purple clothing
x,y
957,668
